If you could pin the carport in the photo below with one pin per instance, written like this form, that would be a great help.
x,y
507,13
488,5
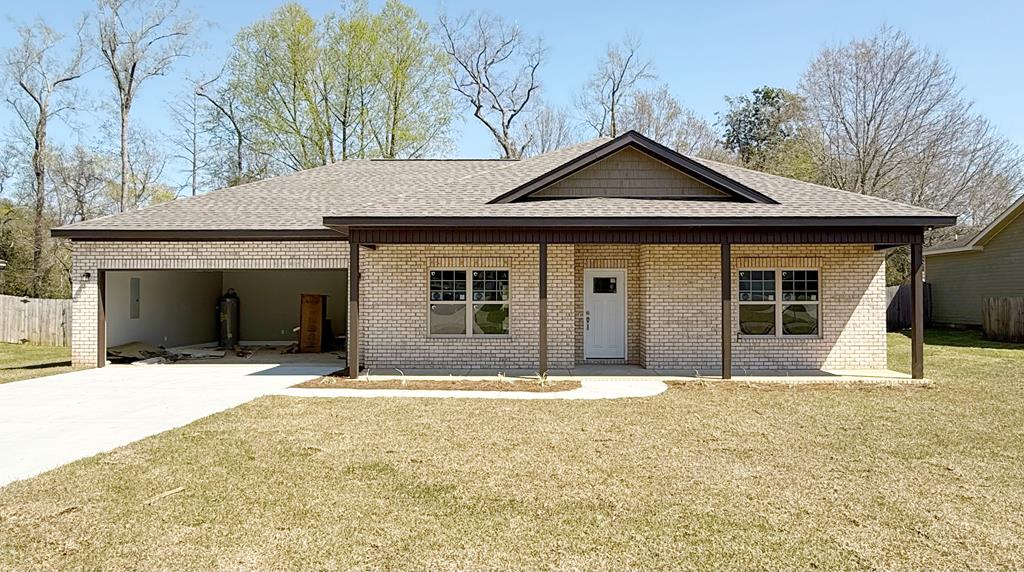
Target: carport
x,y
179,308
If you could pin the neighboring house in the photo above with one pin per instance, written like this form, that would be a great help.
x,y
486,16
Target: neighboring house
x,y
612,251
989,264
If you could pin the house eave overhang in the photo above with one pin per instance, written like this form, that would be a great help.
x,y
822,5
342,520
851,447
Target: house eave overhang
x,y
632,139
958,250
86,234
923,222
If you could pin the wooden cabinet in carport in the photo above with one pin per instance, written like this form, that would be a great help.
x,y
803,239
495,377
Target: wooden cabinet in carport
x,y
312,315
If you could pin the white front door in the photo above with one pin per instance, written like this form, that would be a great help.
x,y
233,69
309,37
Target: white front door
x,y
604,314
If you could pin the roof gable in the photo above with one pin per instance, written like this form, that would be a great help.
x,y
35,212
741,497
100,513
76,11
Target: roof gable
x,y
598,173
629,173
1012,214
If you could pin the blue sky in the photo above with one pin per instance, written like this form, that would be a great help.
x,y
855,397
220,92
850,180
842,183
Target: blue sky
x,y
702,50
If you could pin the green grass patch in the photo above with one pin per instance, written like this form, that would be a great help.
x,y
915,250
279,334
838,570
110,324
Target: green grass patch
x,y
834,478
24,361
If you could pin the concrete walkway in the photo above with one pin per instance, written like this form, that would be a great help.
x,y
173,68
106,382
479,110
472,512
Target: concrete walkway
x,y
51,421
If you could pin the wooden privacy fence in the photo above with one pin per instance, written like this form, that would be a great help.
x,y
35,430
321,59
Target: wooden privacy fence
x,y
37,321
899,311
1003,319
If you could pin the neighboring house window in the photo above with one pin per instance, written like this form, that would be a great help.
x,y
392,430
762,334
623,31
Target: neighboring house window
x,y
136,298
468,302
779,303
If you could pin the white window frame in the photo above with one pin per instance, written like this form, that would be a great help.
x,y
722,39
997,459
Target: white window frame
x,y
469,302
779,303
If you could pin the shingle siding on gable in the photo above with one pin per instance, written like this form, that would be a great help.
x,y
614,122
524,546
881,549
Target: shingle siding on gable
x,y
629,173
961,281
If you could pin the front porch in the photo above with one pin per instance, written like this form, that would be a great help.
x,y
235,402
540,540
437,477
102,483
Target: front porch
x,y
687,308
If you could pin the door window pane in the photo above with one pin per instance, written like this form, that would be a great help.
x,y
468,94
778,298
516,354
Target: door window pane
x,y
757,319
604,285
490,319
448,319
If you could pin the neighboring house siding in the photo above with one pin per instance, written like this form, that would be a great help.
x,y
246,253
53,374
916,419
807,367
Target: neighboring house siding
x,y
961,281
181,255
629,173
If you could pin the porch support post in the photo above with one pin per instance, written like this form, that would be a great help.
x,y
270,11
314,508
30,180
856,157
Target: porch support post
x,y
101,318
542,307
353,309
917,315
726,310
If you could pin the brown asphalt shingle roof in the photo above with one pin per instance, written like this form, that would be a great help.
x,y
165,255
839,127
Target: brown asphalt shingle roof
x,y
462,188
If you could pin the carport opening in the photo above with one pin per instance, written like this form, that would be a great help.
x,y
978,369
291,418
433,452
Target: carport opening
x,y
176,310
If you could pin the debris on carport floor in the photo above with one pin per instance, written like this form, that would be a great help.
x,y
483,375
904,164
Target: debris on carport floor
x,y
146,354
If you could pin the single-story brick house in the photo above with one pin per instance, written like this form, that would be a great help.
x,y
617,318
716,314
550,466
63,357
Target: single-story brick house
x,y
968,269
613,251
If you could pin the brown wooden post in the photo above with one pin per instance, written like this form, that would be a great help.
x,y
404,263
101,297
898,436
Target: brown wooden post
x,y
101,318
542,307
726,310
353,309
917,311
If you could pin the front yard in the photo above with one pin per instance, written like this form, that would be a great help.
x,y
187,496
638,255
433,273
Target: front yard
x,y
24,361
721,477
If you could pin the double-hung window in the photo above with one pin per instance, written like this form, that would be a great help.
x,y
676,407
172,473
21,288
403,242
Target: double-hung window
x,y
468,302
779,302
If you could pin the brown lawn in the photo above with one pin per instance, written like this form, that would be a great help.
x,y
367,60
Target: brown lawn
x,y
734,477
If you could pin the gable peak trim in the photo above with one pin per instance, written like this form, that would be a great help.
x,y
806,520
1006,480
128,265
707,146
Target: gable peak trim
x,y
651,148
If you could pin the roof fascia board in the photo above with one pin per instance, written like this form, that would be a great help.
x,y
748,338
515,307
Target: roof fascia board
x,y
961,249
184,235
651,148
1002,221
497,221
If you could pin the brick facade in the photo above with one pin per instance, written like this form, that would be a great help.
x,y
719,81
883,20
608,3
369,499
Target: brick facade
x,y
673,300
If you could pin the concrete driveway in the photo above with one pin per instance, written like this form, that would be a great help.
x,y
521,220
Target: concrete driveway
x,y
51,421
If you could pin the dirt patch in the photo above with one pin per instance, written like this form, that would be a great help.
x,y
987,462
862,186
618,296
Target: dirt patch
x,y
697,384
335,381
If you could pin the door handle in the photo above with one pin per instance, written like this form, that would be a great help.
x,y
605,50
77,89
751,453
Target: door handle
x,y
588,322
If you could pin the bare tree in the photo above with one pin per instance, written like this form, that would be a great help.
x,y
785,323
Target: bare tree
x,y
42,90
79,177
139,40
892,116
658,114
893,123
546,129
189,134
146,167
609,88
228,118
494,68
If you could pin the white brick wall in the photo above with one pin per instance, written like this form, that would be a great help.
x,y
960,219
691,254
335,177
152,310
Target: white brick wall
x,y
674,300
183,255
682,295
394,308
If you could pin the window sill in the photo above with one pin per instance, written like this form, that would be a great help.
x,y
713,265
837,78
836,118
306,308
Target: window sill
x,y
471,338
772,338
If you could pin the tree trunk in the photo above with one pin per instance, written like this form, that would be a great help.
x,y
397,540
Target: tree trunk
x,y
38,230
125,106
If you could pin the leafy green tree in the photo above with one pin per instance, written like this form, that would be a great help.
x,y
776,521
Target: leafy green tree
x,y
764,130
413,111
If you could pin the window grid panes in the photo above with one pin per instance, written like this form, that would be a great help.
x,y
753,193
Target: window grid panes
x,y
468,302
794,312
